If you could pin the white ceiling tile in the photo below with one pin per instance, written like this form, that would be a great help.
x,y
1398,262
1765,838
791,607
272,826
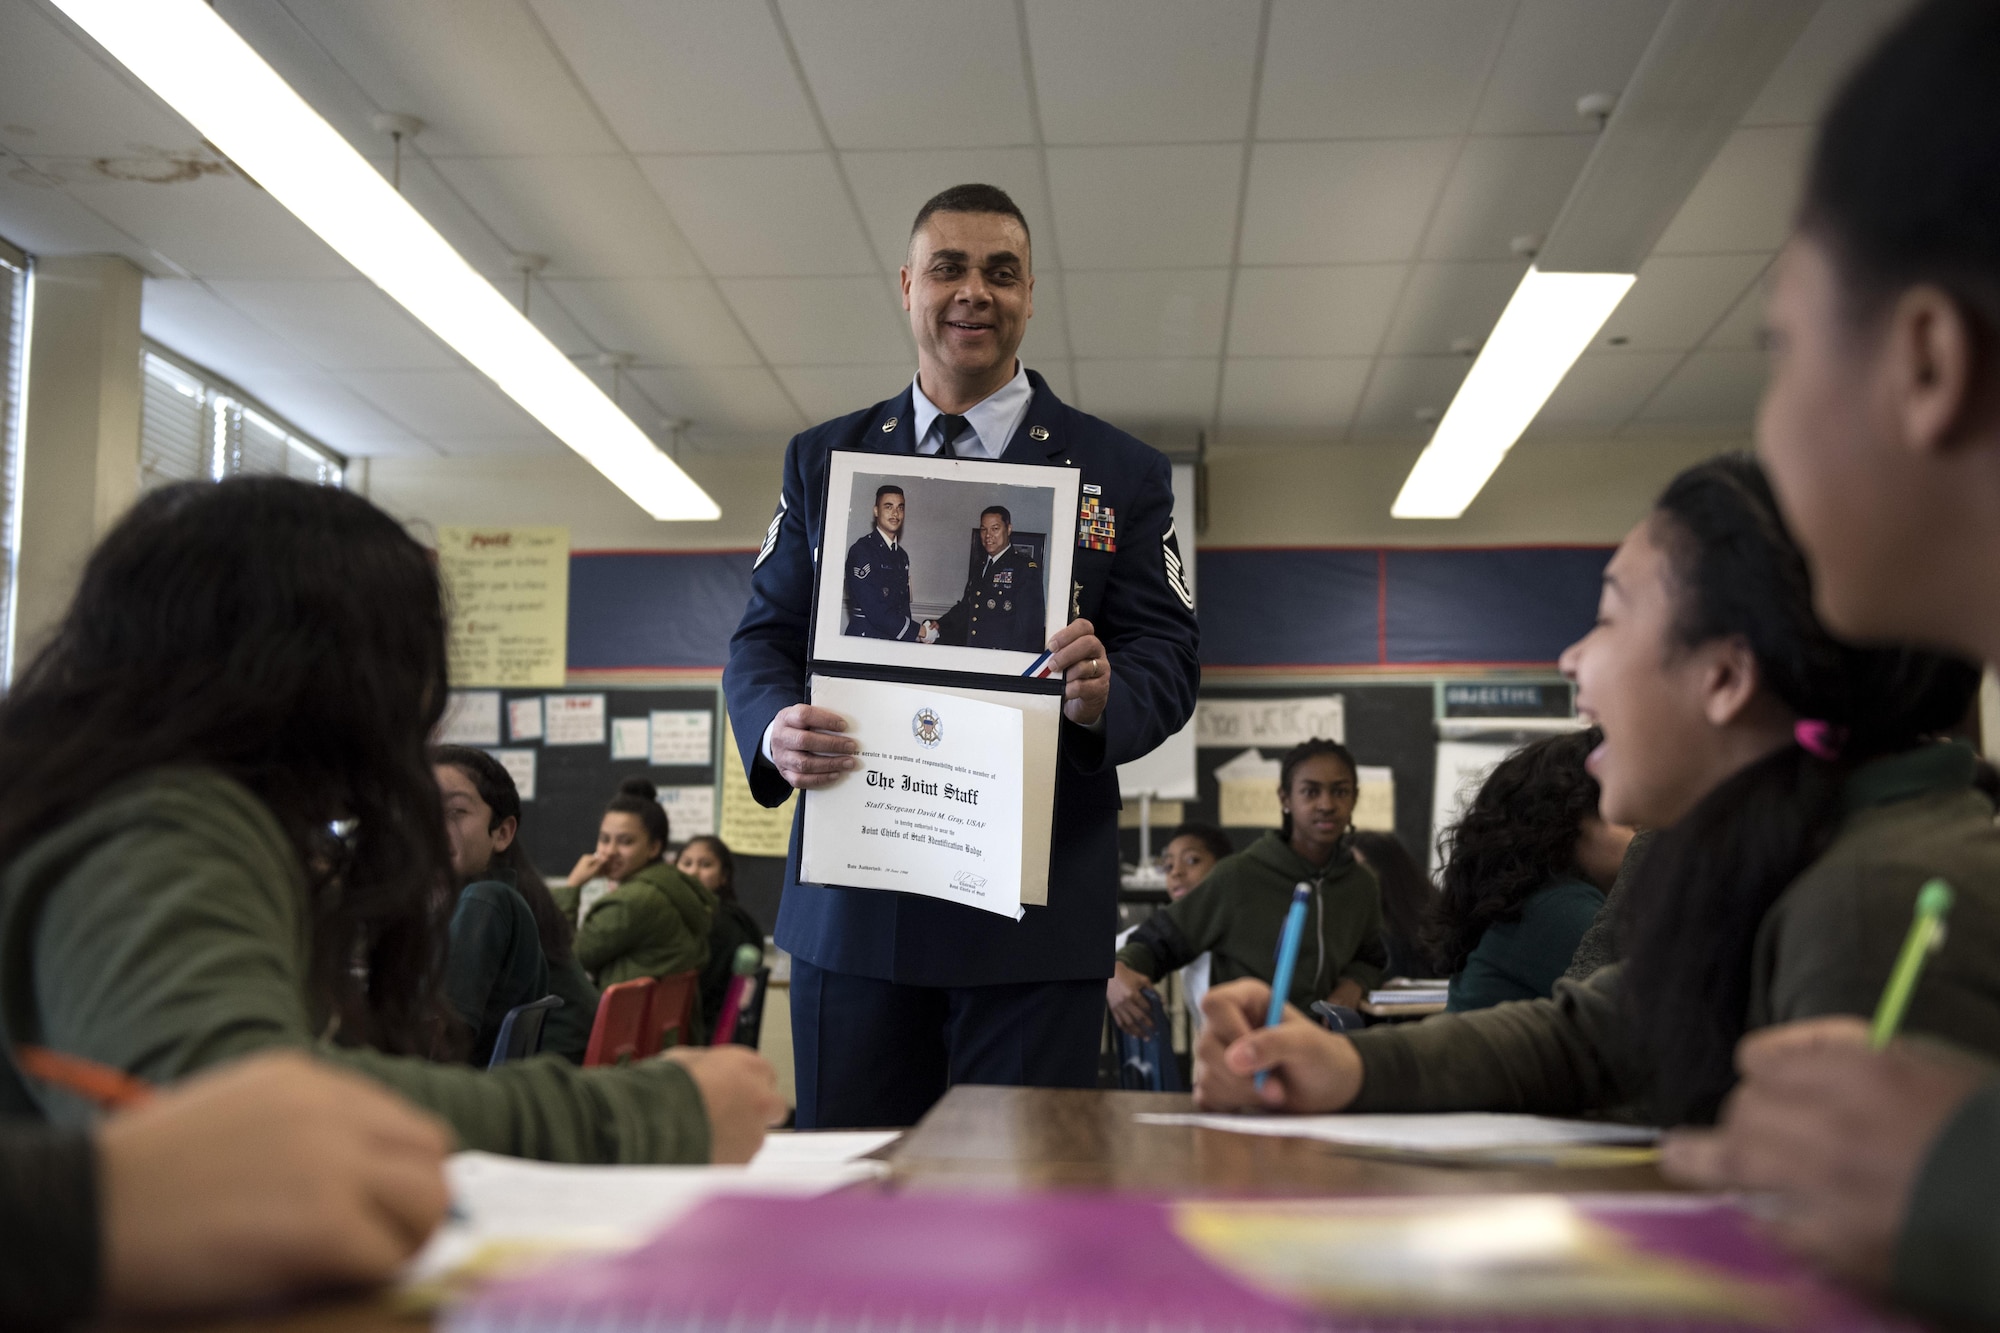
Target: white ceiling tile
x,y
458,404
820,321
1402,385
1374,68
1746,198
892,186
1719,388
1134,313
1502,188
45,219
1161,207
826,392
1313,312
1357,202
186,317
662,321
214,227
1045,341
1143,71
593,217
481,74
1131,393
705,77
1743,327
763,215
341,325
1602,391
721,398
1292,393
1679,298
1445,303
59,97
913,73
1556,52
498,446
1839,35
331,412
1056,374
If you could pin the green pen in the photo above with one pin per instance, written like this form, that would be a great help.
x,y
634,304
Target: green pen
x,y
1926,937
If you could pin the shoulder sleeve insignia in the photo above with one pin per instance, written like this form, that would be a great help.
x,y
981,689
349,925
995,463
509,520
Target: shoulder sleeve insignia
x,y
861,571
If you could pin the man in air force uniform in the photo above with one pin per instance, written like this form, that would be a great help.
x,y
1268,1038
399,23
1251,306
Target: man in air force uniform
x,y
1002,605
896,996
878,575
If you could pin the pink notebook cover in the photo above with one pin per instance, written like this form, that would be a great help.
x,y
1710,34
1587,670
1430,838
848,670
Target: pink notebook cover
x,y
860,1263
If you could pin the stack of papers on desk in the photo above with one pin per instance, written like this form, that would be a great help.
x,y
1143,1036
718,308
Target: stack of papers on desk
x,y
507,1211
1456,1138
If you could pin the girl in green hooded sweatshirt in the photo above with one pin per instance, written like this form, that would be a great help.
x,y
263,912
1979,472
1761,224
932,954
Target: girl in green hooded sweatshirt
x,y
1238,912
655,922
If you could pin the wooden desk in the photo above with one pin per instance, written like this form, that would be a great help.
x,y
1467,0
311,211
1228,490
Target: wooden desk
x,y
985,1138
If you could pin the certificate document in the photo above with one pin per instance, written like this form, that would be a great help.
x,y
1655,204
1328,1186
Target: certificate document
x,y
934,808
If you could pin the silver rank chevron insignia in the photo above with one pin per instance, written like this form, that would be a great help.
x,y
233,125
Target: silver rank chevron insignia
x,y
1176,573
771,534
1097,526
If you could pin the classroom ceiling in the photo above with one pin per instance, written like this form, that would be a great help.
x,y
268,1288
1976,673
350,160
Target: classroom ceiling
x,y
1265,217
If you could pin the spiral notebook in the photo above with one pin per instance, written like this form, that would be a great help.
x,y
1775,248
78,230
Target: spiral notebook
x,y
1083,1264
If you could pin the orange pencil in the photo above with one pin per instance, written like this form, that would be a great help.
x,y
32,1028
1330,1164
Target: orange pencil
x,y
111,1089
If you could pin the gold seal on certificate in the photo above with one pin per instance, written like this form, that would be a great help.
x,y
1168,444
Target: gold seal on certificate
x,y
934,808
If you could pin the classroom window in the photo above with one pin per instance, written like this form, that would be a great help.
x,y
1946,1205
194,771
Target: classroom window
x,y
195,426
13,383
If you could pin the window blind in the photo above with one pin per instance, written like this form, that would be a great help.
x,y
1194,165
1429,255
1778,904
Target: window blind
x,y
13,372
198,426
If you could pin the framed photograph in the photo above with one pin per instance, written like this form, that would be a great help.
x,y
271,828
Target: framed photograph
x,y
943,564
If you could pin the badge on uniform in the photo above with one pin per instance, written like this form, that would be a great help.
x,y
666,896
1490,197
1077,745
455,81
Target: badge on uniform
x,y
1003,578
1097,526
861,571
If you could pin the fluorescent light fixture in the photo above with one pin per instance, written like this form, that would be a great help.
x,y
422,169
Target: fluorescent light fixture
x,y
196,63
1544,329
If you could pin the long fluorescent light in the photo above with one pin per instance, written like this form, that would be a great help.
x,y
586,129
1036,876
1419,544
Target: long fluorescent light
x,y
184,52
1544,329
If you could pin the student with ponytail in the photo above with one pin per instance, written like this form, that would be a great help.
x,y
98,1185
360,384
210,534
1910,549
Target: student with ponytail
x,y
1881,427
1802,804
655,922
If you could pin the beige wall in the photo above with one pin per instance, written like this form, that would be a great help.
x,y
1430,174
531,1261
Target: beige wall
x,y
1275,493
80,460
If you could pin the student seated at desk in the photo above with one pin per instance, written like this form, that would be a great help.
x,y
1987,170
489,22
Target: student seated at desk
x,y
220,833
1526,870
1193,851
1801,808
1238,912
510,943
708,862
656,921
1406,896
271,1178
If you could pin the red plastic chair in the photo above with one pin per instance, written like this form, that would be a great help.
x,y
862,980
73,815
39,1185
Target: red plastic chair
x,y
671,1022
624,1024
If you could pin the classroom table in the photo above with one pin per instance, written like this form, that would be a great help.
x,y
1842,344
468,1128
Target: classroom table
x,y
988,1138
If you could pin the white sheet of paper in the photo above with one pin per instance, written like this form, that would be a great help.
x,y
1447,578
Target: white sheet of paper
x,y
1457,1131
631,738
520,766
573,719
783,1152
524,720
935,808
690,811
471,717
682,737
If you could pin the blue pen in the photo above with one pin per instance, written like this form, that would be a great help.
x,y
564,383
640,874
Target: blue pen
x,y
1288,959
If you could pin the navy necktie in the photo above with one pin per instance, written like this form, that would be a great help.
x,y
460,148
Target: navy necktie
x,y
950,427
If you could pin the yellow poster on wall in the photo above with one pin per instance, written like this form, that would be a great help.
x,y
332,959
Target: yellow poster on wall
x,y
749,828
509,604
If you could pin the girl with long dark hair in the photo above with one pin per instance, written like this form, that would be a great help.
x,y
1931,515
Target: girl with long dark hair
x,y
1881,428
707,860
1406,899
509,940
1802,804
1238,912
1525,873
220,832
654,922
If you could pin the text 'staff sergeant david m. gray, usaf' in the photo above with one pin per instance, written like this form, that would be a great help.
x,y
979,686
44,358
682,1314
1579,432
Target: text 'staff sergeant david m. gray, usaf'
x,y
878,575
1002,605
895,997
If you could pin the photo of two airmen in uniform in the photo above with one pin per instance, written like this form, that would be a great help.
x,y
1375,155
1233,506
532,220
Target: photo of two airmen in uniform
x,y
921,573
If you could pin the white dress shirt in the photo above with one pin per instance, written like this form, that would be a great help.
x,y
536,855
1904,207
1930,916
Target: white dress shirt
x,y
993,419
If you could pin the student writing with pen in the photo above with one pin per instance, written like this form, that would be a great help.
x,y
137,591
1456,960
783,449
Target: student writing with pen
x,y
1801,806
1238,912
